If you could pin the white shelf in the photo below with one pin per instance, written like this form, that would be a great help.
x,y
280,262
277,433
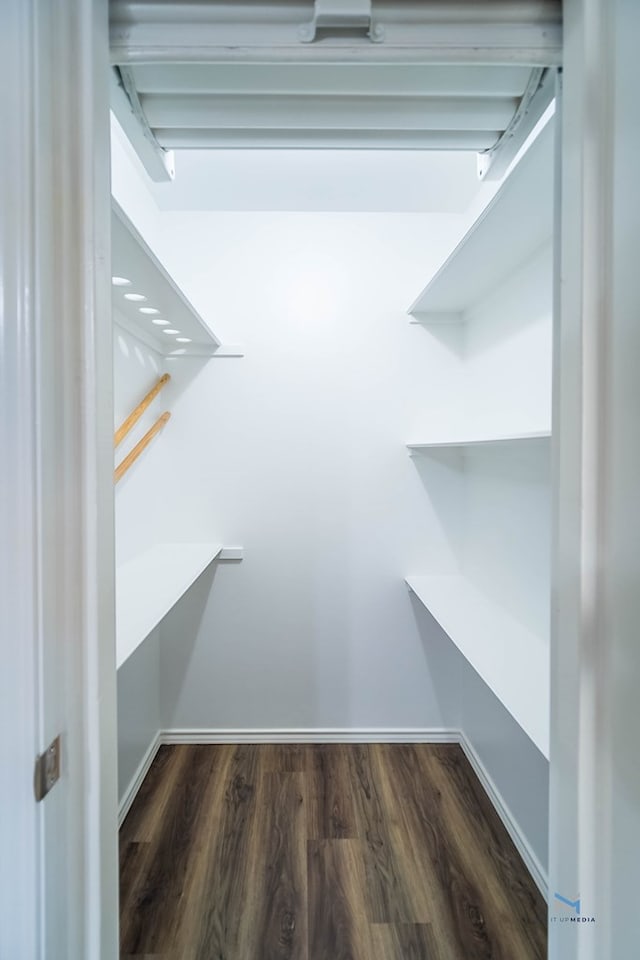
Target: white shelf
x,y
517,222
511,660
132,259
149,585
484,441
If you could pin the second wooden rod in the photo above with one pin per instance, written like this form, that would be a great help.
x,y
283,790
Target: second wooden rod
x,y
133,455
135,415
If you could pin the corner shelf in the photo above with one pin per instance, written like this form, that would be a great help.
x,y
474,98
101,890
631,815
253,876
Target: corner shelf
x,y
512,661
149,585
132,260
493,249
483,442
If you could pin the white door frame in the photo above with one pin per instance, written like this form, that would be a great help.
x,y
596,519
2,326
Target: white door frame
x,y
58,878
595,774
58,896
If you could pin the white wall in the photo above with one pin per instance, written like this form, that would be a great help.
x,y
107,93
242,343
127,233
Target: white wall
x,y
507,358
508,530
296,451
366,181
507,352
138,710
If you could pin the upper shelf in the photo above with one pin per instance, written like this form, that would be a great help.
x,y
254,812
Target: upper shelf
x,y
512,661
149,585
517,222
160,315
483,442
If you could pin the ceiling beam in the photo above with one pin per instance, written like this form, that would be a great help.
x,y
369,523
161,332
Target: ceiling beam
x,y
331,79
434,31
267,111
157,161
223,138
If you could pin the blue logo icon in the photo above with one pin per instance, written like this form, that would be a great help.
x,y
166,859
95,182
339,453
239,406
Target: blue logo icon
x,y
574,904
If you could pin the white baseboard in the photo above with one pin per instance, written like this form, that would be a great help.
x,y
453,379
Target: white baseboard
x,y
349,735
138,777
521,843
314,735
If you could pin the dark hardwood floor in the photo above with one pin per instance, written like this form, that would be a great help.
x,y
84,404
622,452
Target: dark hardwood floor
x,y
322,852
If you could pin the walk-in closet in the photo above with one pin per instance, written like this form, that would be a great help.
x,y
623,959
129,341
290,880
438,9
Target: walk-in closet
x,y
318,360
332,397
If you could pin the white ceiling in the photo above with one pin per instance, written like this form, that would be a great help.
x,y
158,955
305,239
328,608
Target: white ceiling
x,y
448,75
324,180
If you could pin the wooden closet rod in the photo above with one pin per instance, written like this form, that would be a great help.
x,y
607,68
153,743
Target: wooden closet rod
x,y
133,417
133,455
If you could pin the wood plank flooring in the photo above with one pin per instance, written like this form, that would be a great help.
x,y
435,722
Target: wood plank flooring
x,y
321,852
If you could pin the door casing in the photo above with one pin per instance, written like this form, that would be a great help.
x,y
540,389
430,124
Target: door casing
x,y
59,895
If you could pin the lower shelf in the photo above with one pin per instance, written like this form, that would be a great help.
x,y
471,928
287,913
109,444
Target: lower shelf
x,y
488,440
511,660
149,585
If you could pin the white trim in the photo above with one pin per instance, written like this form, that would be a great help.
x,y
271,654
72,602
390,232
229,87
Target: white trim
x,y
510,824
313,735
594,786
138,777
21,833
55,350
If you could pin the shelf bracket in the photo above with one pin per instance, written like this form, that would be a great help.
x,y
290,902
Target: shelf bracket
x,y
231,553
340,16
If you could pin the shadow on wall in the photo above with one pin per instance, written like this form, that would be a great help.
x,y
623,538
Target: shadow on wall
x,y
178,634
441,472
523,301
450,336
517,771
443,663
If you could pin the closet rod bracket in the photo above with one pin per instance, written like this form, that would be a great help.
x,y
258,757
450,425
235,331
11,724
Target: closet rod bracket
x,y
340,16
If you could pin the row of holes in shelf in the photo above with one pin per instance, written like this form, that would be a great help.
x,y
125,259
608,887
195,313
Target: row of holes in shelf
x,y
152,312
